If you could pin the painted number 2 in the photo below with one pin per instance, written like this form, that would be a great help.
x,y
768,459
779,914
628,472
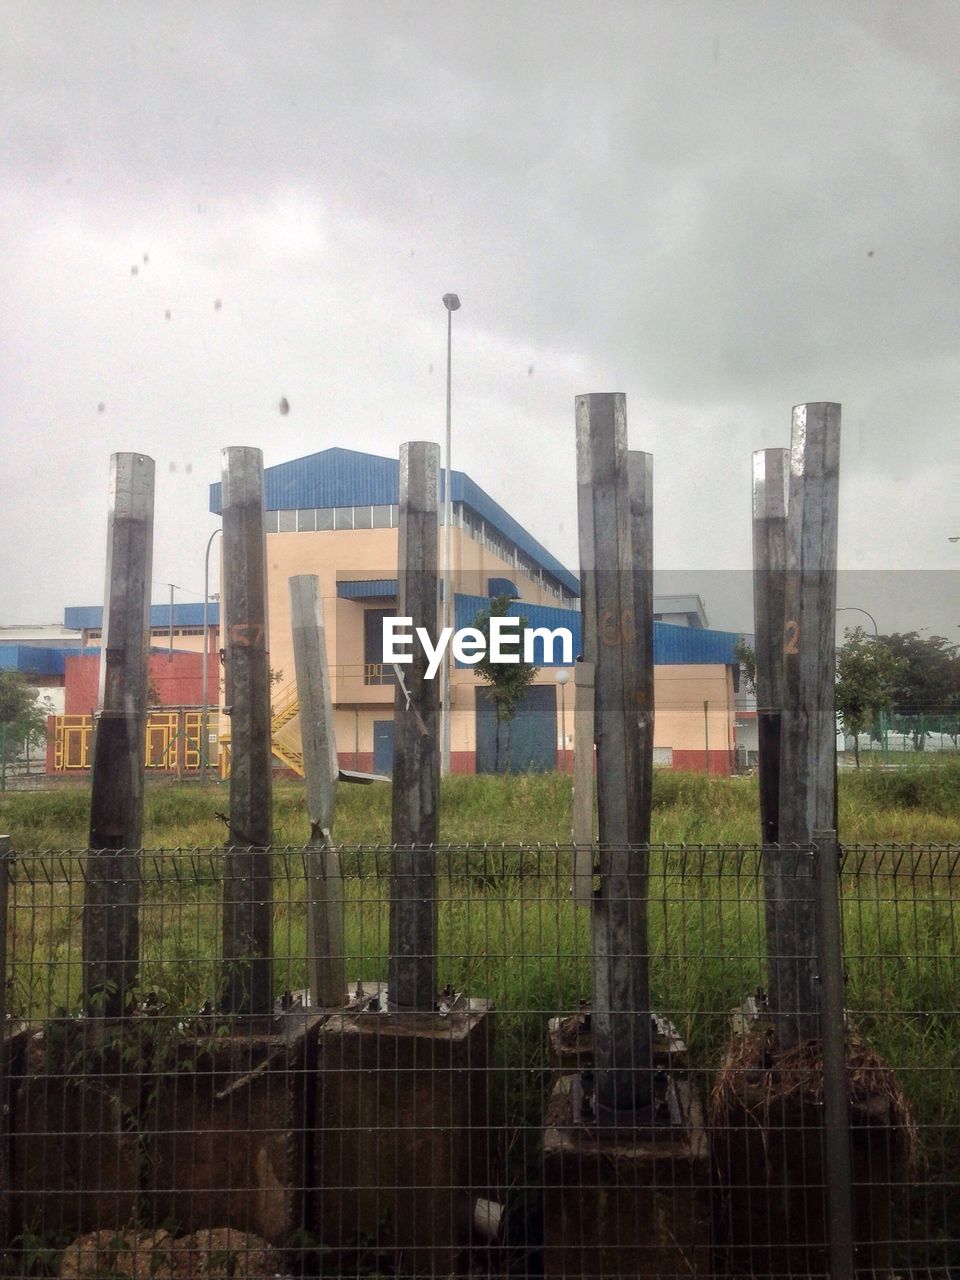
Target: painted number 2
x,y
791,637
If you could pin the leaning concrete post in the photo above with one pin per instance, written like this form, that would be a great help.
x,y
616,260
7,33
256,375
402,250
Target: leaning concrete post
x,y
770,475
325,959
248,896
621,997
808,755
112,893
412,972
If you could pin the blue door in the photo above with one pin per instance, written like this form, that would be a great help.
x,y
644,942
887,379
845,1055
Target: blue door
x,y
528,743
383,747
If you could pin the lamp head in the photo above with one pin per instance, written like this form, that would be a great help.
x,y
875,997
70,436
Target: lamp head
x,y
451,302
562,676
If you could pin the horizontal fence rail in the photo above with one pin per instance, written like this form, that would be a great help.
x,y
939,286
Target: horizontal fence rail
x,y
176,1140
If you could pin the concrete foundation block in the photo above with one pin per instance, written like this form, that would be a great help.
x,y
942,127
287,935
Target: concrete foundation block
x,y
75,1140
226,1124
618,1204
403,1146
771,1206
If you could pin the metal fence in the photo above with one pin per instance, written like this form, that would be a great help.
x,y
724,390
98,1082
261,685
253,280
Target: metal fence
x,y
177,1142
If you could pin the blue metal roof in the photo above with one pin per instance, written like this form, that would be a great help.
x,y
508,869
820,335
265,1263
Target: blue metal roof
x,y
345,478
368,589
33,660
90,616
672,645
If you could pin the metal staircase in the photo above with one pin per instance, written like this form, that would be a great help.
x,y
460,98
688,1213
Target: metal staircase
x,y
285,746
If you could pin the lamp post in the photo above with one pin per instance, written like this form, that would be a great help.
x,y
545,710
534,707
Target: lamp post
x,y
562,678
852,608
173,587
204,735
452,303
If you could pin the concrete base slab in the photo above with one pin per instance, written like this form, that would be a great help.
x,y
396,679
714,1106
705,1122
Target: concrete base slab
x,y
621,1204
769,1154
226,1123
75,1140
402,1142
570,1043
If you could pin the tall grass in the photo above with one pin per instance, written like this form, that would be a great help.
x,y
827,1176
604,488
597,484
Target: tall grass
x,y
919,803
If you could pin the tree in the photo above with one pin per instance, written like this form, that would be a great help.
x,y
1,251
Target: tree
x,y
23,721
928,683
747,658
867,673
508,681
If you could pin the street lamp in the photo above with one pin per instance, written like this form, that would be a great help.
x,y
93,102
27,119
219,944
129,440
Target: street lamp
x,y
204,736
562,678
452,304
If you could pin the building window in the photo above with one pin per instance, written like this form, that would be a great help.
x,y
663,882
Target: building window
x,y
306,520
363,517
270,521
382,517
324,519
374,671
343,518
288,522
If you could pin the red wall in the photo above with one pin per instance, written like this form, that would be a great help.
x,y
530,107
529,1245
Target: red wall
x,y
178,680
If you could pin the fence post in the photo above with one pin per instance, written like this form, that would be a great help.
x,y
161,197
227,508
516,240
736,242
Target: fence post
x,y
808,755
833,1042
325,958
770,476
111,905
248,893
412,969
621,996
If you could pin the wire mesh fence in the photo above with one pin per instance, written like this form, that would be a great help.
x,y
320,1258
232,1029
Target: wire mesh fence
x,y
178,1141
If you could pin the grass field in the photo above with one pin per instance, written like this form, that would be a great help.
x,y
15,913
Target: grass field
x,y
508,929
919,804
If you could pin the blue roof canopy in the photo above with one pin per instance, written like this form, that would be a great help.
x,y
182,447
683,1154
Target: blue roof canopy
x,y
672,645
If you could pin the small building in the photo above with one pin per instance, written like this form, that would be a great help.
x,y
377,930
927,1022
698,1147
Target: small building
x,y
174,689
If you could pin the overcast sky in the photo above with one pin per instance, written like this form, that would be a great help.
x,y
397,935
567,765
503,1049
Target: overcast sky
x,y
722,209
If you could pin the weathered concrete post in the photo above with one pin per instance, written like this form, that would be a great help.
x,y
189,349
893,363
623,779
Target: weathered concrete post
x,y
808,756
621,991
770,475
112,893
412,971
325,959
248,895
640,472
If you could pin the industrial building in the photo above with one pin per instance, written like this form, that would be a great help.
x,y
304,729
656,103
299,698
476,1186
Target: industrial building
x,y
335,514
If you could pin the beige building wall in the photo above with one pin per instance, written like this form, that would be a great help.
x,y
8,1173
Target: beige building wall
x,y
697,739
